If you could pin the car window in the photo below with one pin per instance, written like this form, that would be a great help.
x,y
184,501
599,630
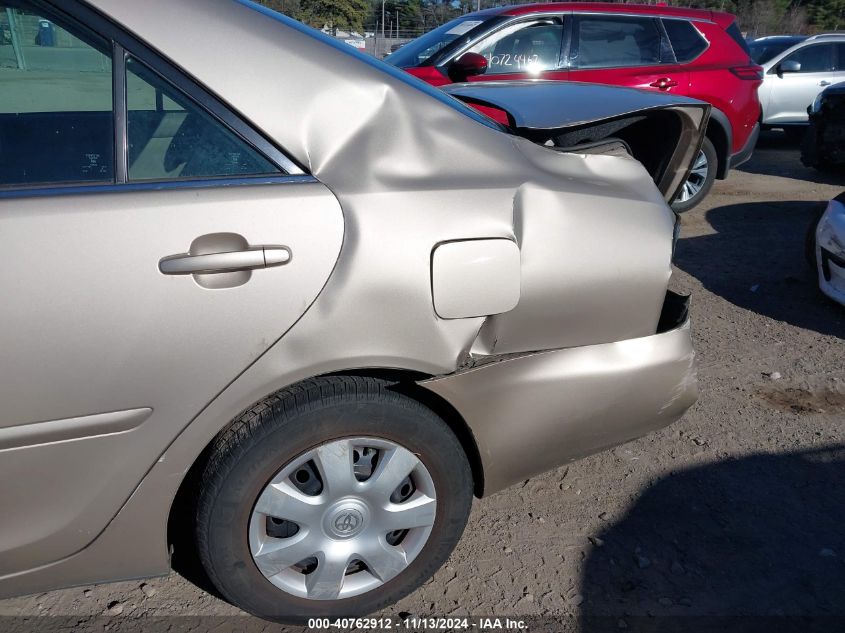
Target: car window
x,y
418,51
56,123
686,41
840,57
523,47
170,136
765,50
608,42
817,58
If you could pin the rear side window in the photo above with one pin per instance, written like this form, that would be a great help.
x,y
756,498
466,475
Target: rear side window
x,y
171,137
612,42
686,41
56,123
736,36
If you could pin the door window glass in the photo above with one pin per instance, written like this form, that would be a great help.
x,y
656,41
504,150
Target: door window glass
x,y
840,57
56,123
813,59
171,137
686,41
611,42
523,47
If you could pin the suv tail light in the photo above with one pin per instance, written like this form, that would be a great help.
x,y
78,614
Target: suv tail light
x,y
752,72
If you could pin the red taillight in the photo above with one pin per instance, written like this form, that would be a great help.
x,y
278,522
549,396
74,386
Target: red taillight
x,y
750,73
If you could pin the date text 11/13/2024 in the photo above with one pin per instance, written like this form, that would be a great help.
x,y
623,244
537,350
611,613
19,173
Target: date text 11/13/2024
x,y
419,623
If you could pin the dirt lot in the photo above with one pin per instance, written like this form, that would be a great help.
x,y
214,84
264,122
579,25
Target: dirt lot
x,y
737,510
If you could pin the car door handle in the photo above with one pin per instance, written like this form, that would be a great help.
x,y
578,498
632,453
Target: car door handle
x,y
824,82
664,83
210,263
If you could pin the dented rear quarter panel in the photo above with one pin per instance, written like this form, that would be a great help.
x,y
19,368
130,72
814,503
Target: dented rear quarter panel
x,y
410,172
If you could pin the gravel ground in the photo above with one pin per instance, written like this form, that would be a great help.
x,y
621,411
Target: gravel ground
x,y
736,510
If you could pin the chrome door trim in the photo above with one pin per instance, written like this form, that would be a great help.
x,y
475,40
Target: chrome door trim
x,y
157,185
120,114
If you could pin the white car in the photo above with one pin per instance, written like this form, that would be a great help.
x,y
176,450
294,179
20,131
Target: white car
x,y
794,78
826,249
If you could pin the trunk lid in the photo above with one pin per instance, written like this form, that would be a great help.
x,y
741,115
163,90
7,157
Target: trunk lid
x,y
662,131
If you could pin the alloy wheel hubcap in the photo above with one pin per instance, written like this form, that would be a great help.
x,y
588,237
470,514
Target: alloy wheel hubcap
x,y
697,177
343,518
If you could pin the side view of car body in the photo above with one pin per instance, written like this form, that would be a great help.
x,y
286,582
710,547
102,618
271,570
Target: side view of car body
x,y
826,248
291,327
823,146
687,52
795,77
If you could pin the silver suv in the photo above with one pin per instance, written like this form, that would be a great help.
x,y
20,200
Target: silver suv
x,y
794,78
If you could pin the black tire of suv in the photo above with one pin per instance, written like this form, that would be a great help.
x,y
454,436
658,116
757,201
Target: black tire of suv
x,y
712,166
246,456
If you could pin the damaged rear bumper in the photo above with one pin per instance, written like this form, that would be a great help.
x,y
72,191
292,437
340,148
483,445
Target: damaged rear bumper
x,y
534,412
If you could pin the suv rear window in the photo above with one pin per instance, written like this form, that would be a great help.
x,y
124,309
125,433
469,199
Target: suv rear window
x,y
686,41
736,36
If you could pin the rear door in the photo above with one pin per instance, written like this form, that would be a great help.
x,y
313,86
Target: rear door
x,y
152,246
630,51
525,49
791,93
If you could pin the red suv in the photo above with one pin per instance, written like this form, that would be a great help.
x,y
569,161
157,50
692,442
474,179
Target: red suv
x,y
691,52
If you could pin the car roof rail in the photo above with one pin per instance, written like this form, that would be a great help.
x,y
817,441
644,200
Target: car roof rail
x,y
831,34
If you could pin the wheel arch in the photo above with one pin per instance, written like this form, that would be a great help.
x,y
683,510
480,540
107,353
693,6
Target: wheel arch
x,y
404,381
719,133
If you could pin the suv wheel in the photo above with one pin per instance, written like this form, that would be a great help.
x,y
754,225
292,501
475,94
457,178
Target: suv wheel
x,y
700,180
335,497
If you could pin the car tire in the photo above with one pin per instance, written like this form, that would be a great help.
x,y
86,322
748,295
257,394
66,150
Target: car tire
x,y
328,422
700,180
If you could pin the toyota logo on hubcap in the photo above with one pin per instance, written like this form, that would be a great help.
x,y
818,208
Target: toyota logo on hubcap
x,y
347,522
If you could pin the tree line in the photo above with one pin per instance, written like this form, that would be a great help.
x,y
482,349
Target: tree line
x,y
756,17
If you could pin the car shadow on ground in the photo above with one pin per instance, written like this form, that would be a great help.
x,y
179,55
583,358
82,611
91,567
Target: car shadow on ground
x,y
751,544
755,259
776,154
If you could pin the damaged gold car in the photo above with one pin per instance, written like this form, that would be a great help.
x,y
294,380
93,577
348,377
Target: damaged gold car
x,y
282,307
